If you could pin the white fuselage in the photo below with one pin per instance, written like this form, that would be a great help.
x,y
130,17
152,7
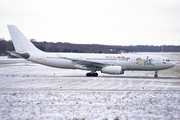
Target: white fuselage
x,y
127,61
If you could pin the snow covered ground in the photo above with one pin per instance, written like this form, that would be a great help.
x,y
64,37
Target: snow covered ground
x,y
32,91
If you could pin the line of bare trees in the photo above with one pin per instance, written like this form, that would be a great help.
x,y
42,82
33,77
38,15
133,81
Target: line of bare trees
x,y
87,48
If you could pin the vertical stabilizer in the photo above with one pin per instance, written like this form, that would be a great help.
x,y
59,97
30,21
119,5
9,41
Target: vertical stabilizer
x,y
20,41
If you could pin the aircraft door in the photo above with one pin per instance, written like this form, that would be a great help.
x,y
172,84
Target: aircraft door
x,y
44,57
133,60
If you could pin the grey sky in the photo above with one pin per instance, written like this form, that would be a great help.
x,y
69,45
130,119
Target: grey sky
x,y
115,22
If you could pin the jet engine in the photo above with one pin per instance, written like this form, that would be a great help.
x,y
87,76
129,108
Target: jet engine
x,y
112,70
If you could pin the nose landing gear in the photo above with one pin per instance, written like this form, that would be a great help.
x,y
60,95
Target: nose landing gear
x,y
156,75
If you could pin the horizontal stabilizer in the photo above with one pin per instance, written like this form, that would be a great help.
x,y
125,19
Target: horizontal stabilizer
x,y
17,54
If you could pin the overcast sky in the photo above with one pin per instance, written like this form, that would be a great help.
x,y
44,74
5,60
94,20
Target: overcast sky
x,y
110,22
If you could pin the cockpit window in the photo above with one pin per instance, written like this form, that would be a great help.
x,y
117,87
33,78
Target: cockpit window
x,y
167,60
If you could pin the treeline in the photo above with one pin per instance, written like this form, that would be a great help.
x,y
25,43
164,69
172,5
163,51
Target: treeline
x,y
87,48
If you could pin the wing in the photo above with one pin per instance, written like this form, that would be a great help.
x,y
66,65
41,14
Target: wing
x,y
88,64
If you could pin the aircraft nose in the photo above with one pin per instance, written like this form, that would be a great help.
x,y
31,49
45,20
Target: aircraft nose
x,y
173,64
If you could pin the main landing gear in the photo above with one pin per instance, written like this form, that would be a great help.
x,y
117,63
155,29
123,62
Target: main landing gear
x,y
156,75
92,74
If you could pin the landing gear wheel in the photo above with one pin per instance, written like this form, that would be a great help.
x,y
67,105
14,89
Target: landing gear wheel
x,y
95,74
92,74
156,75
88,74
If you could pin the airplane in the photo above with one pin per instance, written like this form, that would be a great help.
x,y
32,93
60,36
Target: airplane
x,y
114,64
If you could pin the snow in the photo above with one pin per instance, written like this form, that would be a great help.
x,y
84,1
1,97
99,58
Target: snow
x,y
89,105
32,91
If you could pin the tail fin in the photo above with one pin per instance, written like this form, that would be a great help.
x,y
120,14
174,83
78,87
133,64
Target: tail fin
x,y
20,41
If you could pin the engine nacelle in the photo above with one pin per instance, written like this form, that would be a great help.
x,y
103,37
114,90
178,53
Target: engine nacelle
x,y
112,70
